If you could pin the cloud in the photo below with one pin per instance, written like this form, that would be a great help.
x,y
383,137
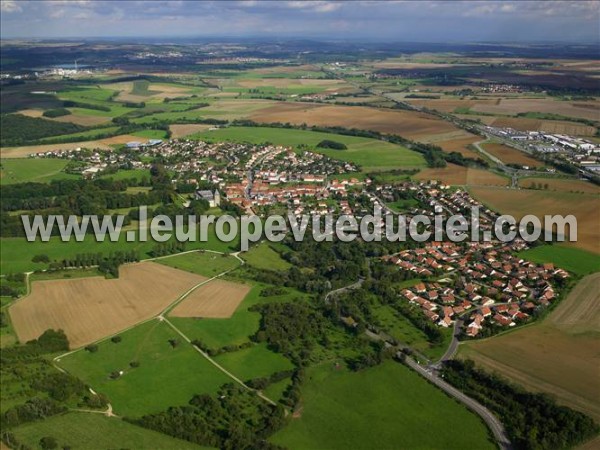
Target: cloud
x,y
433,21
10,6
316,6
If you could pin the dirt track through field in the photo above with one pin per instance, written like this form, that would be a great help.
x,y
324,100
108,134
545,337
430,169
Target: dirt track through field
x,y
88,309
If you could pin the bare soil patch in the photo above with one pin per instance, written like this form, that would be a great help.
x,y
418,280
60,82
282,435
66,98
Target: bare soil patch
x,y
89,309
509,155
217,299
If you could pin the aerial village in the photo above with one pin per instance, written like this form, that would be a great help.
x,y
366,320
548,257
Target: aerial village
x,y
479,288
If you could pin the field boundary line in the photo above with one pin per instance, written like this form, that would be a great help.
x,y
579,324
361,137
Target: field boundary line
x,y
158,316
216,364
161,318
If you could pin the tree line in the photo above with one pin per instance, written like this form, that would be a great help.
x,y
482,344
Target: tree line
x,y
532,421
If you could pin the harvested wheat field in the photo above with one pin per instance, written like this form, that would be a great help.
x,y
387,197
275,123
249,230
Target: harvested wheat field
x,y
409,124
461,146
509,155
584,110
217,299
540,203
89,309
558,184
558,356
285,69
462,176
580,313
79,119
325,84
182,130
446,105
31,112
82,119
548,126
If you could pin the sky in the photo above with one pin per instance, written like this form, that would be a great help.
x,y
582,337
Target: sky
x,y
386,21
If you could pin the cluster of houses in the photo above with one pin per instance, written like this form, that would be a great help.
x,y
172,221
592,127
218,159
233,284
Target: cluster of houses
x,y
479,284
250,176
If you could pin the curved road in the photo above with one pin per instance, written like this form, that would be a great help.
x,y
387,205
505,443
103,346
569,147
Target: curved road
x,y
490,419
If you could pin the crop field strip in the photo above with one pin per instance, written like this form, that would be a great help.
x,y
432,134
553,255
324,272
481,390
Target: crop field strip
x,y
89,309
560,357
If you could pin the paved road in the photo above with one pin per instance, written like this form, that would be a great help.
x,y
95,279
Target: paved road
x,y
344,289
490,419
453,347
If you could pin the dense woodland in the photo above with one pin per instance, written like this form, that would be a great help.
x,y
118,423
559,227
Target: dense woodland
x,y
18,129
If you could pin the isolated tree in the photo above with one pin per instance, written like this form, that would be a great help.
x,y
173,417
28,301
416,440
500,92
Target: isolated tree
x,y
48,442
40,259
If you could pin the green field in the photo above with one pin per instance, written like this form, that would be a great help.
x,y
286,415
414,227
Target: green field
x,y
385,407
84,135
262,256
23,170
254,362
575,260
140,87
276,390
16,253
369,154
203,263
165,377
151,134
217,333
405,332
96,432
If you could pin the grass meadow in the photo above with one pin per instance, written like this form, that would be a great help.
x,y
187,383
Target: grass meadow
x,y
16,253
578,261
262,256
77,430
166,376
207,264
403,331
370,154
237,329
24,170
387,406
254,362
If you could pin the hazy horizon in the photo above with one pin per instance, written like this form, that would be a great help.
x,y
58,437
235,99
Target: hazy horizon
x,y
394,21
